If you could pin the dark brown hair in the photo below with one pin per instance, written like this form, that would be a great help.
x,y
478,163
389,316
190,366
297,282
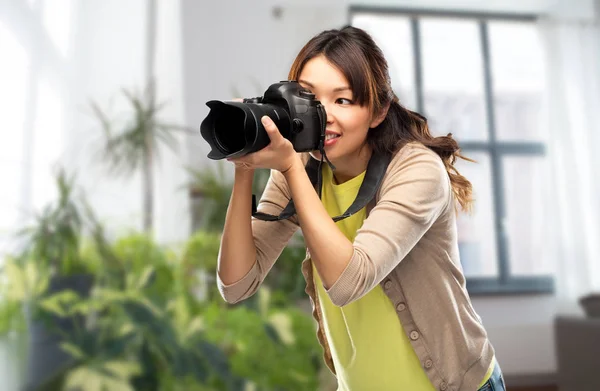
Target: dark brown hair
x,y
358,57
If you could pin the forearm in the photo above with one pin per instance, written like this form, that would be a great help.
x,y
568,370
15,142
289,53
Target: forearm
x,y
330,250
238,251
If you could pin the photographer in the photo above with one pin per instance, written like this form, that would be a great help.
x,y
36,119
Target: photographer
x,y
386,283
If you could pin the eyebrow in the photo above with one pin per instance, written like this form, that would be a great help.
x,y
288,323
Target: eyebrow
x,y
337,89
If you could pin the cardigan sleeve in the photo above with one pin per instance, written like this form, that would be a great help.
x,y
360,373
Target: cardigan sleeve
x,y
415,191
270,238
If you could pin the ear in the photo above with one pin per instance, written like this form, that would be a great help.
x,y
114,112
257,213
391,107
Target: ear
x,y
380,117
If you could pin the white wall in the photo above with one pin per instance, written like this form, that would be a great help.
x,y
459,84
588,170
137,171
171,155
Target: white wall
x,y
231,42
239,46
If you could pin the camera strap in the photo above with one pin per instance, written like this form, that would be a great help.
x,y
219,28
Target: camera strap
x,y
376,169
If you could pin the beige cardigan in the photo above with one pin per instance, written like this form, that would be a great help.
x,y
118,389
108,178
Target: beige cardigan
x,y
408,245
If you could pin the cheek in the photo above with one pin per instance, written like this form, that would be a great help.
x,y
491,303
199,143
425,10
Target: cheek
x,y
356,126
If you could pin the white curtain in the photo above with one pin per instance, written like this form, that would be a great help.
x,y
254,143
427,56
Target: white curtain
x,y
573,103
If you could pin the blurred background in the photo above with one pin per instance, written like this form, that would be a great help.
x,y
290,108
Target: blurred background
x,y
111,213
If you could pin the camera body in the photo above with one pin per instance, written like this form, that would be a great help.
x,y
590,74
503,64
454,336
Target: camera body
x,y
233,129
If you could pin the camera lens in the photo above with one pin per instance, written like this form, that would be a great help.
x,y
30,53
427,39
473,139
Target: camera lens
x,y
229,129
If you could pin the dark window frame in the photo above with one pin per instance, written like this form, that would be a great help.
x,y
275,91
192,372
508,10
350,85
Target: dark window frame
x,y
505,283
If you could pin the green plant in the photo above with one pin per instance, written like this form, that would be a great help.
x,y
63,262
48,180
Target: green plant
x,y
212,187
15,286
199,264
54,240
143,329
21,284
137,340
273,348
285,278
135,146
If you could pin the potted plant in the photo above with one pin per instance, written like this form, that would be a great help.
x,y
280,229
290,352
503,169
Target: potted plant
x,y
146,336
53,258
134,144
13,344
210,190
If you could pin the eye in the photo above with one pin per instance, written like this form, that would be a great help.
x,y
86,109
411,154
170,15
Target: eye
x,y
344,101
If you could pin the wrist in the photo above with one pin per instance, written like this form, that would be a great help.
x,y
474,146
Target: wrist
x,y
244,174
296,165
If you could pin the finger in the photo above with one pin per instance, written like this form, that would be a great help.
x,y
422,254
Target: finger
x,y
271,128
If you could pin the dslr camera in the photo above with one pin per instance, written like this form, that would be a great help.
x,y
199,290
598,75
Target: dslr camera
x,y
233,129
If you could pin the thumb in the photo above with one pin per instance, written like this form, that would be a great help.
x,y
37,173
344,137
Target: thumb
x,y
270,127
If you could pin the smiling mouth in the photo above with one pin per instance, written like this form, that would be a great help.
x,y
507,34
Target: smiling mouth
x,y
331,136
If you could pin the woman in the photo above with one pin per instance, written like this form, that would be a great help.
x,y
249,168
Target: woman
x,y
386,283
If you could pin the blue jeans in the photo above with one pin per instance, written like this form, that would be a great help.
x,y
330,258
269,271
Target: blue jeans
x,y
496,381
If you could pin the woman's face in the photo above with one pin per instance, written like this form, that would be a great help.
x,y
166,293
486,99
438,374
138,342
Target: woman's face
x,y
347,122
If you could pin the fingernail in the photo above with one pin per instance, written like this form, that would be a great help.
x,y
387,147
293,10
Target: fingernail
x,y
266,120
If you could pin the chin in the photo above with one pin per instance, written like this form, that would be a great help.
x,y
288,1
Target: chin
x,y
317,155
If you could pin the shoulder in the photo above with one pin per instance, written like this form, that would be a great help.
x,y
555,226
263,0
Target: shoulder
x,y
415,151
415,154
419,168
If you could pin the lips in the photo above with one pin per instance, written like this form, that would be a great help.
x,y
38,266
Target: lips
x,y
331,138
330,135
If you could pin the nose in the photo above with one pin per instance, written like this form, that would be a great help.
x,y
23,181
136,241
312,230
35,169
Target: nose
x,y
329,113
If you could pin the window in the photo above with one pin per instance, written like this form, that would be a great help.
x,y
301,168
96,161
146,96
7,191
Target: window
x,y
481,78
34,42
14,73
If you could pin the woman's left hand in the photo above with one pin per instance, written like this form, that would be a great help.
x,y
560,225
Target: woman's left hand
x,y
278,155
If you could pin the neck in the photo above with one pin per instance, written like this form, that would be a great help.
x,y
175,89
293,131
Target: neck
x,y
352,166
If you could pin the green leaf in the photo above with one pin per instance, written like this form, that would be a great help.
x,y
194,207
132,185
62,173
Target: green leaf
x,y
196,326
53,306
125,329
264,300
17,281
73,350
145,277
60,303
123,369
84,379
111,384
149,305
282,323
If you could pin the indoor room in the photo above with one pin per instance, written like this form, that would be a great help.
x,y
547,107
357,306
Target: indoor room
x,y
115,235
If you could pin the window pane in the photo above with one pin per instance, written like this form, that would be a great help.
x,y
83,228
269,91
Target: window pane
x,y
518,80
526,183
48,143
393,35
14,70
453,87
476,232
14,73
57,20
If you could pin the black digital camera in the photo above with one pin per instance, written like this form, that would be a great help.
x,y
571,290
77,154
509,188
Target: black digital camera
x,y
233,129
